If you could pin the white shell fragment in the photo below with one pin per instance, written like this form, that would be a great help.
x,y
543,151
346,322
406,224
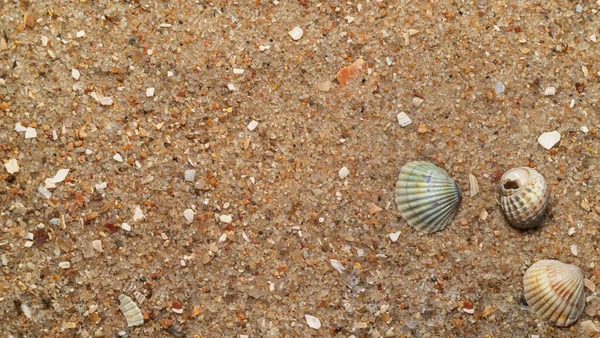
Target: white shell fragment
x,y
403,119
117,157
252,125
417,101
97,245
296,33
64,265
75,74
26,310
30,133
189,215
105,100
337,265
189,175
131,311
313,322
126,227
12,166
550,91
344,172
138,215
473,185
19,128
549,139
394,236
555,292
150,92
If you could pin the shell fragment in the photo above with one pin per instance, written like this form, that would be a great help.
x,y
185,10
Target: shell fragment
x,y
549,139
131,311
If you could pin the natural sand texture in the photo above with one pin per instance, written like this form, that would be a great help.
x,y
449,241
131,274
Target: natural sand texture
x,y
270,236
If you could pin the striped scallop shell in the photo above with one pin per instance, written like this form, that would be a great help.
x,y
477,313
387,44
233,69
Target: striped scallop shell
x,y
554,290
524,197
426,196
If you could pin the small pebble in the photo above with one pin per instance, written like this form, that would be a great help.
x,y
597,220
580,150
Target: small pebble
x,y
417,101
388,60
324,86
499,88
189,175
4,260
584,129
75,74
64,265
223,238
126,227
549,139
394,236
150,92
226,218
97,245
138,215
571,231
231,87
19,128
550,91
26,310
189,215
252,125
105,101
117,157
337,265
574,250
313,322
238,71
80,34
344,172
296,33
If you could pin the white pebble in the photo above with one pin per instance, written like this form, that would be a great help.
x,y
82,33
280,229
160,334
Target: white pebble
x,y
403,119
75,74
549,139
189,215
189,175
394,236
105,100
584,129
321,219
593,38
44,41
417,101
80,34
97,245
64,265
238,71
245,237
12,166
499,88
126,227
150,92
571,231
169,73
30,133
138,215
231,87
252,125
337,265
28,244
550,91
388,60
313,322
344,172
574,249
117,157
296,33
101,186
223,238
4,260
226,218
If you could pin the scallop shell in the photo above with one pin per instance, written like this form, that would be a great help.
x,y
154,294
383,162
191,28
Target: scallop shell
x,y
524,197
426,196
131,311
554,290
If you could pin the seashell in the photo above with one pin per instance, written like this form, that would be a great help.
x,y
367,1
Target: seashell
x,y
131,311
554,290
426,196
524,197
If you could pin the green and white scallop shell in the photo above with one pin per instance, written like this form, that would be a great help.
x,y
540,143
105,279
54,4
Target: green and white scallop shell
x,y
426,196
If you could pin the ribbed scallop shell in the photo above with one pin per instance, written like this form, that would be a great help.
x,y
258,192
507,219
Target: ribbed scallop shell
x,y
524,197
426,196
554,290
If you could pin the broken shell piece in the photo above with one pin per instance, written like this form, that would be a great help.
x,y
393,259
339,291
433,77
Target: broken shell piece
x,y
131,311
473,185
549,91
549,139
554,290
426,196
296,33
403,119
524,197
348,72
12,166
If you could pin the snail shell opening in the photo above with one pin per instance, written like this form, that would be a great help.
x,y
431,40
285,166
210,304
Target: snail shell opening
x,y
515,179
524,197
